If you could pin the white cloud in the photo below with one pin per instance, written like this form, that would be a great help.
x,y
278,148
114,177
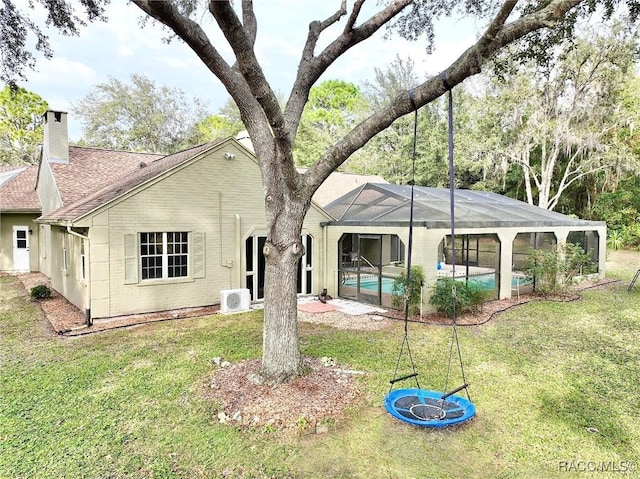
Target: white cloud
x,y
62,73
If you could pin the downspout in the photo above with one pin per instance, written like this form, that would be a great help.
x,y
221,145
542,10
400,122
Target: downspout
x,y
224,262
87,312
238,249
325,252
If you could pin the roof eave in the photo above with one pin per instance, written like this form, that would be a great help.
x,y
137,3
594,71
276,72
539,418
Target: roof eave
x,y
21,210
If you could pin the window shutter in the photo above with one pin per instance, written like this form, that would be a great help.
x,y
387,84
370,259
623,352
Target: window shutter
x,y
130,259
198,249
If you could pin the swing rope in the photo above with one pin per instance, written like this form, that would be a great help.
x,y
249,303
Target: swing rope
x,y
421,407
454,339
405,341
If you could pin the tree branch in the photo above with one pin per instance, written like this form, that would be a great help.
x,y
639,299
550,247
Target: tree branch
x,y
249,21
193,35
242,46
316,28
553,202
311,67
354,16
468,64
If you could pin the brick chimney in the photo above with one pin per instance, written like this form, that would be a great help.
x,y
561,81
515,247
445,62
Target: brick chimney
x,y
56,136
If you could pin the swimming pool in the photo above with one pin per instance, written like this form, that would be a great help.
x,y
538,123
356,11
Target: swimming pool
x,y
371,284
485,281
488,281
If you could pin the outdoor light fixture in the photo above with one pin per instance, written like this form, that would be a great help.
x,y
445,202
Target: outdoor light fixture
x,y
229,156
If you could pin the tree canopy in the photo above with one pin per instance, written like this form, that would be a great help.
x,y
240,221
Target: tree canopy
x,y
21,127
559,124
139,116
334,107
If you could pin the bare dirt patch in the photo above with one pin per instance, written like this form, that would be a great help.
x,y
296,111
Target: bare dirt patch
x,y
312,403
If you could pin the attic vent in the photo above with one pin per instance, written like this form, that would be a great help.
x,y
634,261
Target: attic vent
x,y
142,164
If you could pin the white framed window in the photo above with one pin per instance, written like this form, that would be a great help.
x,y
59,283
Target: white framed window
x,y
164,255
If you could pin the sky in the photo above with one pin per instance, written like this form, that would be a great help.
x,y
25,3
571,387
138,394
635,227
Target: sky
x,y
121,47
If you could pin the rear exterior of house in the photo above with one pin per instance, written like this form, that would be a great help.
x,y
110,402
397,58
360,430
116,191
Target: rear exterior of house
x,y
123,233
174,233
175,242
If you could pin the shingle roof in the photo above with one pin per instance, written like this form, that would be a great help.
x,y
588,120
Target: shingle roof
x,y
19,193
133,178
385,204
90,169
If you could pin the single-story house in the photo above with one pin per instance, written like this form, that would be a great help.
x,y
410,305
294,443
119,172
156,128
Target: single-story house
x,y
125,233
165,233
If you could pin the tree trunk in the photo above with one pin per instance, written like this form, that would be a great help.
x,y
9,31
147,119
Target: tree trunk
x,y
281,358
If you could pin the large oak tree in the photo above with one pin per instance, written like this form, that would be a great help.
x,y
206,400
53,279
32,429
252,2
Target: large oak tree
x,y
273,129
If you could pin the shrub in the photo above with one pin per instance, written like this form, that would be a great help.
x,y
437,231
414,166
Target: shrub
x,y
477,296
553,270
442,297
40,291
399,290
469,296
615,239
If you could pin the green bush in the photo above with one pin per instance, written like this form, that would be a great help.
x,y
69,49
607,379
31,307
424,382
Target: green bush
x,y
477,296
40,291
470,296
399,290
615,239
553,270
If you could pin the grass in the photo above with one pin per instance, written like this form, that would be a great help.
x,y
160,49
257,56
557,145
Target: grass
x,y
555,386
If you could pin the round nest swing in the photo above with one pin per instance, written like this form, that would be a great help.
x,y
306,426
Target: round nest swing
x,y
425,408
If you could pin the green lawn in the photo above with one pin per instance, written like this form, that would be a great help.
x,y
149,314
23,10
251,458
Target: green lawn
x,y
555,387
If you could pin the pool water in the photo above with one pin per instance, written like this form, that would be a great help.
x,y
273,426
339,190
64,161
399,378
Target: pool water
x,y
371,284
485,281
488,281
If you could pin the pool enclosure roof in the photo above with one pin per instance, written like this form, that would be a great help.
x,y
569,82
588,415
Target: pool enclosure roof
x,y
379,204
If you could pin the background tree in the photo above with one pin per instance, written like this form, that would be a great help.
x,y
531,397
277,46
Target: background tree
x,y
273,129
21,126
225,123
559,124
334,107
139,116
389,153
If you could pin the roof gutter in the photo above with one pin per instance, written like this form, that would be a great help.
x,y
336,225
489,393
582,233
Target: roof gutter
x,y
75,233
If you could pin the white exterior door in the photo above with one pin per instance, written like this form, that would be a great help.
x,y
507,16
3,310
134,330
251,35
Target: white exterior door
x,y
21,248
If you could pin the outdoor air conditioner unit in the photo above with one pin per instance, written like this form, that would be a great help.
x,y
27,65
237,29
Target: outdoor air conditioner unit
x,y
234,300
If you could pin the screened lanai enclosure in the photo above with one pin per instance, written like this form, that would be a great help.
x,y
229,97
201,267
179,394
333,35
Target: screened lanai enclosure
x,y
368,240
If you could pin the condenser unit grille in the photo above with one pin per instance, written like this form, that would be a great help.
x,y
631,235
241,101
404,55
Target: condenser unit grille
x,y
234,300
